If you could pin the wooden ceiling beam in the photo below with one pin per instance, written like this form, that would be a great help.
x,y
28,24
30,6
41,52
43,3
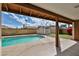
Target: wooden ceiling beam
x,y
34,11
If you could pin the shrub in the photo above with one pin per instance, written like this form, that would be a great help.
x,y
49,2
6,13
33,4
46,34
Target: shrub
x,y
69,30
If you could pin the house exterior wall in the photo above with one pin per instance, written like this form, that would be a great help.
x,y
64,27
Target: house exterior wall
x,y
42,30
75,30
52,29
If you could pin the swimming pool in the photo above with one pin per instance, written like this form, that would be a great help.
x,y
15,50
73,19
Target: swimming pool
x,y
10,41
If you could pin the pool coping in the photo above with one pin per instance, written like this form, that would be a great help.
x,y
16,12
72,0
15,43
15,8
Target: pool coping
x,y
19,35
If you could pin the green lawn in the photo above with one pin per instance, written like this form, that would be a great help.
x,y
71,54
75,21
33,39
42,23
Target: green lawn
x,y
65,36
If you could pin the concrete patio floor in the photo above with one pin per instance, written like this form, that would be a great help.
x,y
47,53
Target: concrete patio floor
x,y
44,47
72,51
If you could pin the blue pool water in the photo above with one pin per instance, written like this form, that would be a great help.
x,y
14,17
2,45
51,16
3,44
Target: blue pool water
x,y
9,41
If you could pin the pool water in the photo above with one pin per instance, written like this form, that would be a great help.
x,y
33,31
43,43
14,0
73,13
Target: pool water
x,y
9,41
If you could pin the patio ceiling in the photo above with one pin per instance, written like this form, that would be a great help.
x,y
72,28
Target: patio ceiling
x,y
70,10
32,10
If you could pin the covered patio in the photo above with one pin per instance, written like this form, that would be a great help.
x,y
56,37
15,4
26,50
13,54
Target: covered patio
x,y
57,45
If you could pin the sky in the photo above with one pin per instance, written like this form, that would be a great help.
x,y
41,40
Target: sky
x,y
17,21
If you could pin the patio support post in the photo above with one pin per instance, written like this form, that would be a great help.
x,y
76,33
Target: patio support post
x,y
75,31
57,34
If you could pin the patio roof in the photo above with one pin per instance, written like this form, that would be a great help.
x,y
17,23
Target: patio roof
x,y
32,10
70,10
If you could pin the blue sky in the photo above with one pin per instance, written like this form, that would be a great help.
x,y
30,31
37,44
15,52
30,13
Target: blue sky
x,y
16,20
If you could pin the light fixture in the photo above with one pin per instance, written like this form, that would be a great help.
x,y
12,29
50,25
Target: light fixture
x,y
77,6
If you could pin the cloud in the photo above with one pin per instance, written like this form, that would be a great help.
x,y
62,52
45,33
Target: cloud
x,y
37,21
43,22
21,20
5,13
10,26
